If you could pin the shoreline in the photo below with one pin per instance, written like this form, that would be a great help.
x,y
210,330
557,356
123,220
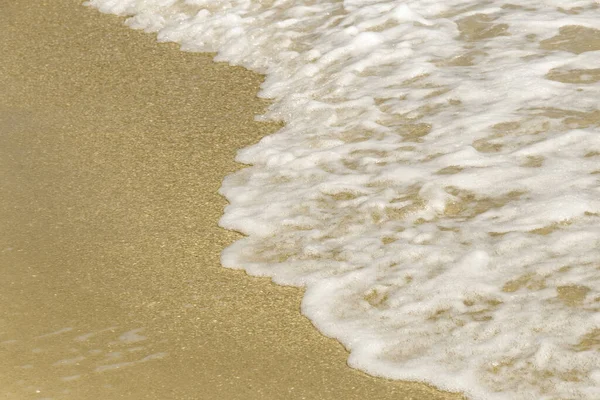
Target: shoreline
x,y
113,150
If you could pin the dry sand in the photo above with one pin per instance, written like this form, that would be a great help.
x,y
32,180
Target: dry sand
x,y
112,149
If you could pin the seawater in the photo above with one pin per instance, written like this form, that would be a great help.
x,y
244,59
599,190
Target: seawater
x,y
436,185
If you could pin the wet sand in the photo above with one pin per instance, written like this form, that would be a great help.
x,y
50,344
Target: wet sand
x,y
112,149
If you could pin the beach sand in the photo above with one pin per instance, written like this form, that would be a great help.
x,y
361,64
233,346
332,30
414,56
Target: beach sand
x,y
112,149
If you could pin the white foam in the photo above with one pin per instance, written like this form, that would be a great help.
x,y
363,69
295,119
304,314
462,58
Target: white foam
x,y
435,186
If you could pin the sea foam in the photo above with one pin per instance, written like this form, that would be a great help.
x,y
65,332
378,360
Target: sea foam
x,y
436,185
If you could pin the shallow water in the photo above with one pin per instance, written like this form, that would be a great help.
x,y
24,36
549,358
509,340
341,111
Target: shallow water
x,y
435,186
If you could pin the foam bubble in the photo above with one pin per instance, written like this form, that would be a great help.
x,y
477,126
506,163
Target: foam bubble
x,y
435,186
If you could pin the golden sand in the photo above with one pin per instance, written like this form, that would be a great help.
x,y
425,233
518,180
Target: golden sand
x,y
112,149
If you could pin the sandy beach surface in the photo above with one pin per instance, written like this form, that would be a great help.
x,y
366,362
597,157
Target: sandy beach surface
x,y
112,149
